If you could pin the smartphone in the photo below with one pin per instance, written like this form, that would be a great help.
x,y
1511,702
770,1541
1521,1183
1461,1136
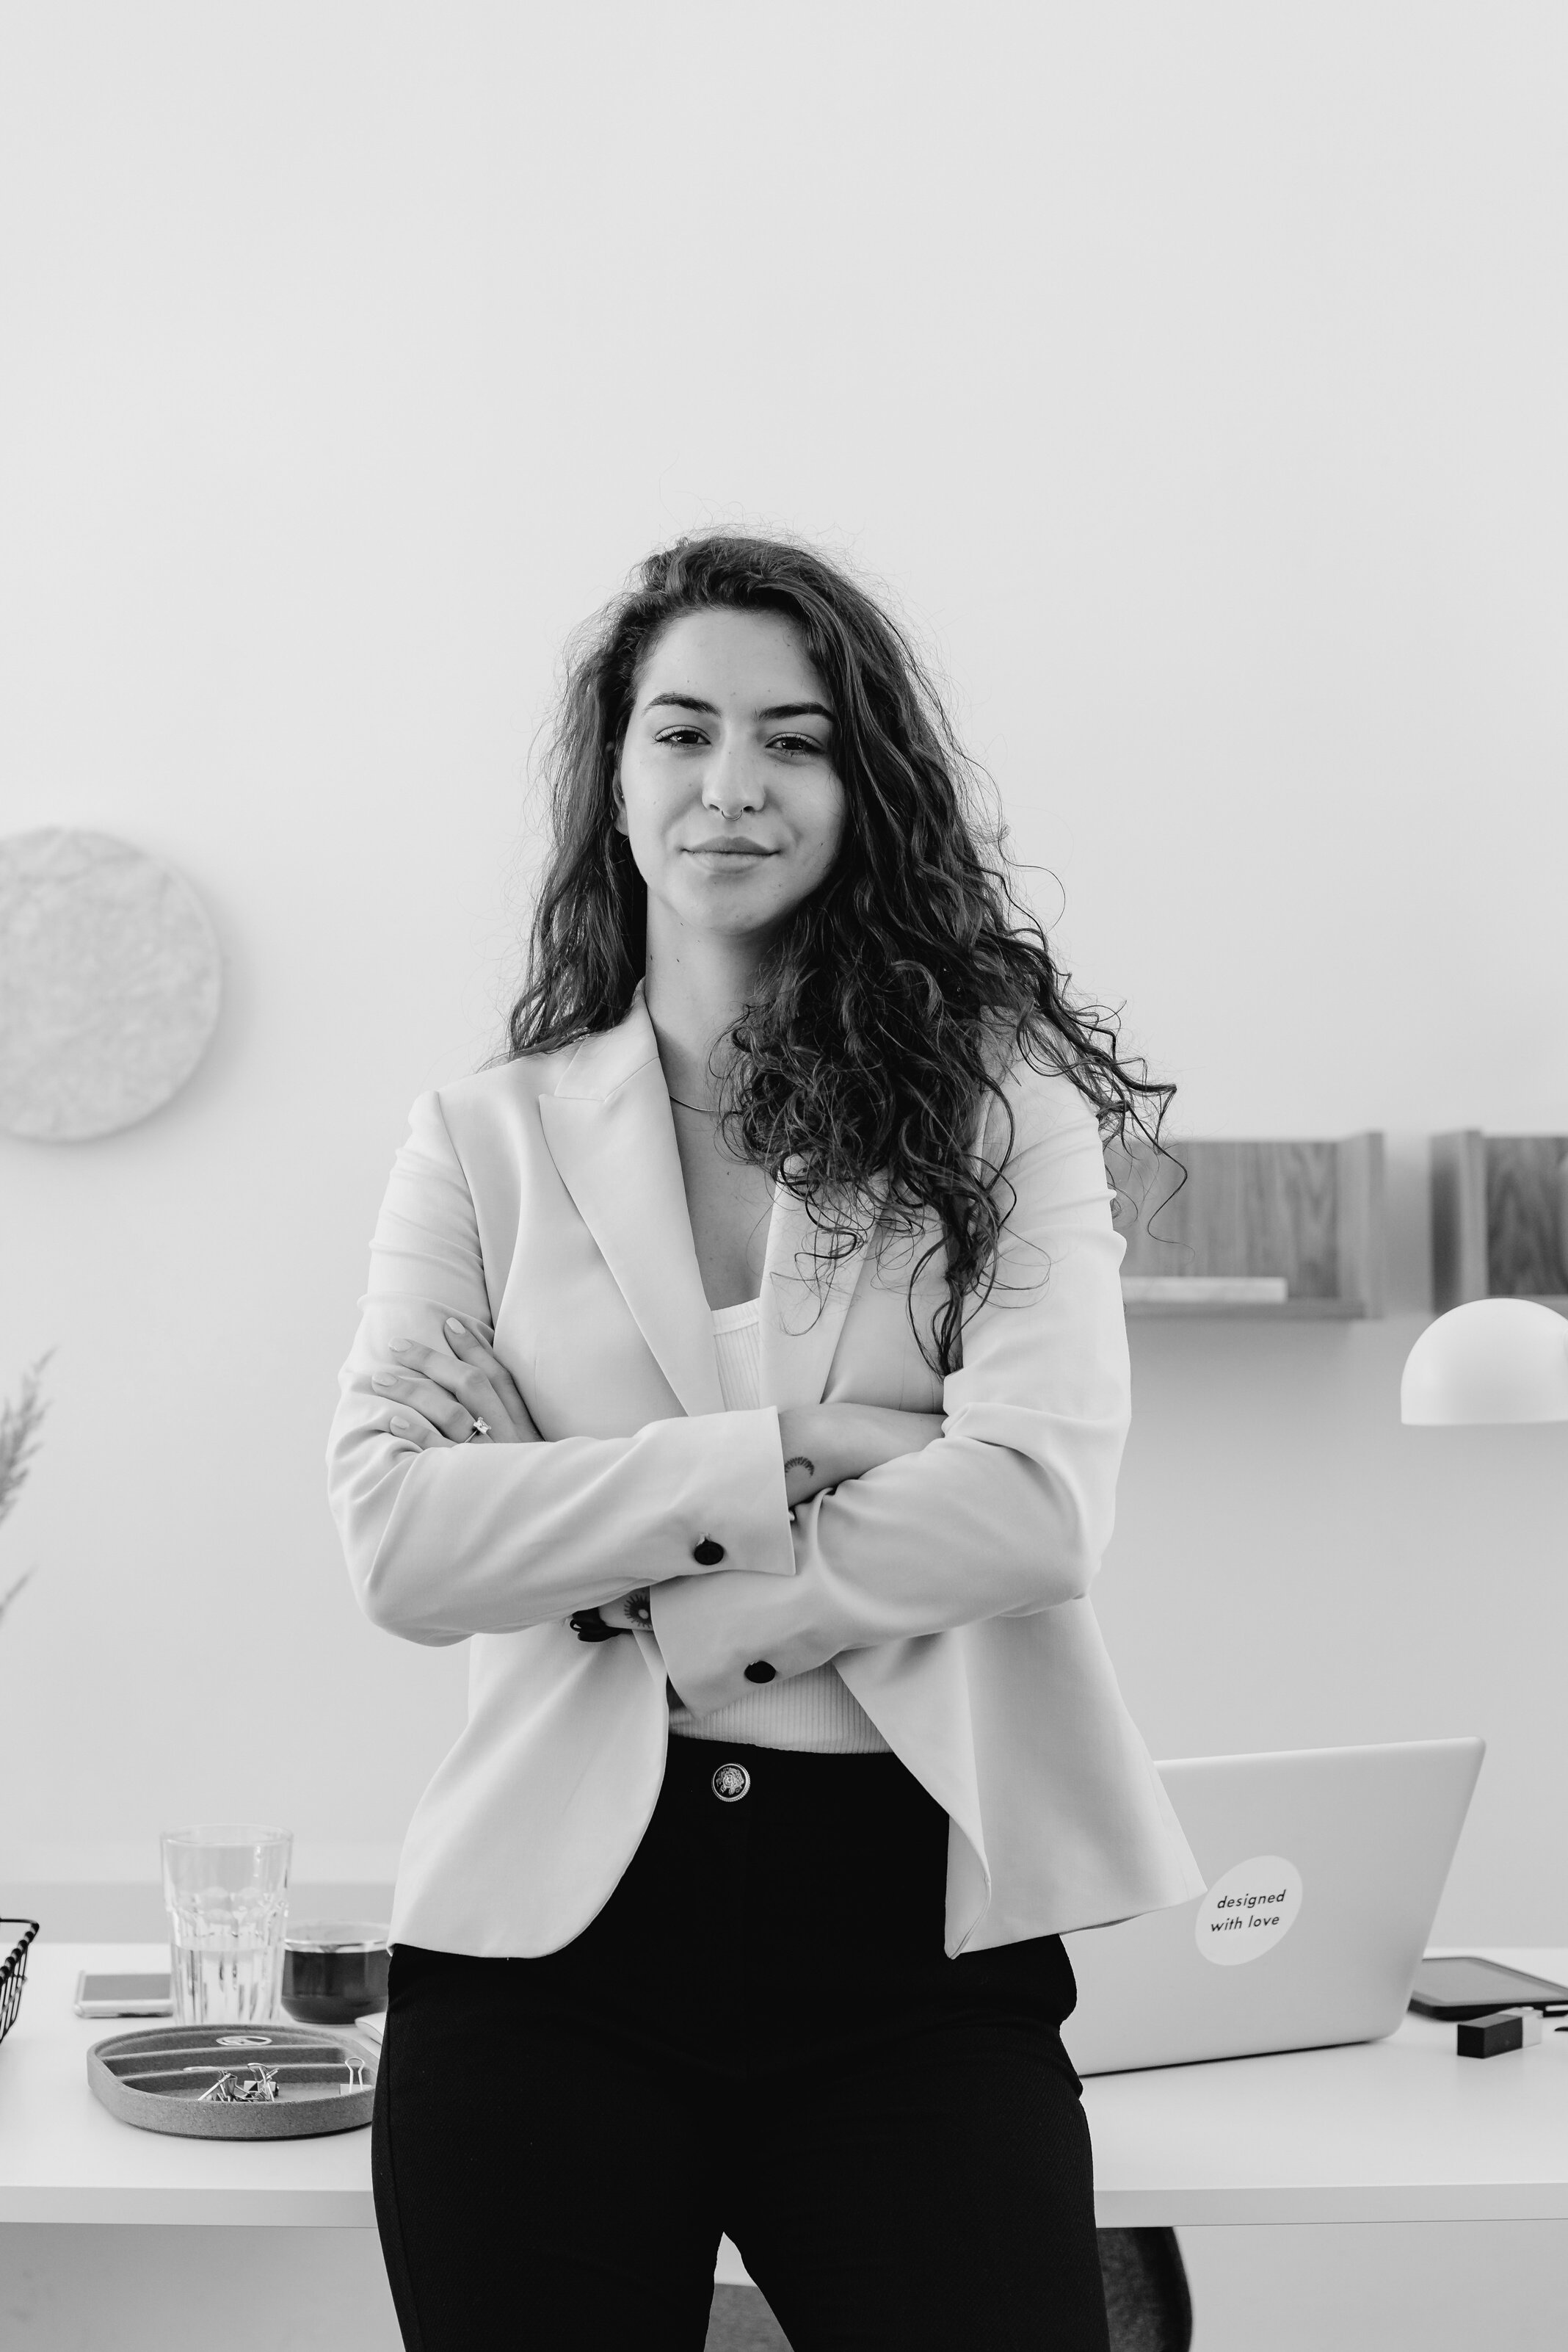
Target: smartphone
x,y
1465,1986
113,1995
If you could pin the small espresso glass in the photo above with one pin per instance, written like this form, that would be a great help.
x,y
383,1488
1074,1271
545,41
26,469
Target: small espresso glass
x,y
227,1891
334,1970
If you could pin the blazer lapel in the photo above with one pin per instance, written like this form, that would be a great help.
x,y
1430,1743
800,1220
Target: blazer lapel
x,y
609,1132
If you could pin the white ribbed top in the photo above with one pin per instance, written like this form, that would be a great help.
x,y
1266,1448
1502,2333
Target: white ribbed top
x,y
737,1344
815,1711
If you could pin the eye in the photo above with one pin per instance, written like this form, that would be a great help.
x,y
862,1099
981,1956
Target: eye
x,y
680,736
798,745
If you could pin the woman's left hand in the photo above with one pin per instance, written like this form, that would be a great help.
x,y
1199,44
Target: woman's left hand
x,y
619,1614
442,1395
443,1392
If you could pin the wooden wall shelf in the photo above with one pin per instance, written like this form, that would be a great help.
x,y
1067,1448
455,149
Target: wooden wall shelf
x,y
1496,1224
1307,1214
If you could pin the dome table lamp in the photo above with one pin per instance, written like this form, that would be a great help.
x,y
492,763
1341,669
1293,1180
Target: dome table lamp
x,y
1491,1360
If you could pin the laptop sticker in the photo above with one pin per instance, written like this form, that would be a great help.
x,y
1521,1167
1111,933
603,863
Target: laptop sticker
x,y
1249,1911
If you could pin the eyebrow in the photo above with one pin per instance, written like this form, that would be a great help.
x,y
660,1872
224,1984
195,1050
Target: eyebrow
x,y
774,710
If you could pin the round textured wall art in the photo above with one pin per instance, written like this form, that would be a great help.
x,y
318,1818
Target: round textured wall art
x,y
110,978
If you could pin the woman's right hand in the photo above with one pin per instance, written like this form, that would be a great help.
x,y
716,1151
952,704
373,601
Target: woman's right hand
x,y
826,1443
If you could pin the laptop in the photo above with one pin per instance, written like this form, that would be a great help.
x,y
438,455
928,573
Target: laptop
x,y
1325,1866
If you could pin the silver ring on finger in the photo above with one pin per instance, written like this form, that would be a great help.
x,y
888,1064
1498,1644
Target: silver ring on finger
x,y
480,1429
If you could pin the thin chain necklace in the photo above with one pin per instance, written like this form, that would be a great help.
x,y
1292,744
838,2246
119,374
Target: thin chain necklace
x,y
697,1107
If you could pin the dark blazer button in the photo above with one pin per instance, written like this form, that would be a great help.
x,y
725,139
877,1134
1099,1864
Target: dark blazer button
x,y
708,1554
759,1671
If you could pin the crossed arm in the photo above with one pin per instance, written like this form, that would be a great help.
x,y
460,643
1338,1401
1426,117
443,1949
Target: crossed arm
x,y
882,1538
437,1397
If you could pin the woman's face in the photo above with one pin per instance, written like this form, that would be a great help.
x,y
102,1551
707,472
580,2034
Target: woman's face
x,y
728,791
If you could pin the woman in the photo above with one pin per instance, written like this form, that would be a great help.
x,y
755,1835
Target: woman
x,y
743,1370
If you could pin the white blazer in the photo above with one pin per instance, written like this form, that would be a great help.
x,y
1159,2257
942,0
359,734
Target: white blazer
x,y
542,1203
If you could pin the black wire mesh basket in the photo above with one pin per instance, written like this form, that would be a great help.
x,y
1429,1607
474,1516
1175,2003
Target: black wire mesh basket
x,y
15,1935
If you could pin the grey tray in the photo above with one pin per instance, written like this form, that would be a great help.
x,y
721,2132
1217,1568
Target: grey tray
x,y
325,2079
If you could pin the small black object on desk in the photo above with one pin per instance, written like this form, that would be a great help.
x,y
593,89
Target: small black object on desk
x,y
1505,2029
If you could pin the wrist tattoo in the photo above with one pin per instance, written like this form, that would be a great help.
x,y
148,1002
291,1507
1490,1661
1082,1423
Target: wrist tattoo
x,y
638,1608
802,1462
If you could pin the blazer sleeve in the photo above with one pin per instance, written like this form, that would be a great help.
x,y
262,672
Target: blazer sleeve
x,y
1009,1511
449,1540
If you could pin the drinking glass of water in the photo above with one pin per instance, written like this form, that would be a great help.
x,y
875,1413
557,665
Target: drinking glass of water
x,y
227,1891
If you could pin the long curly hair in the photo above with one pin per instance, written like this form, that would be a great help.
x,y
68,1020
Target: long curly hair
x,y
890,1003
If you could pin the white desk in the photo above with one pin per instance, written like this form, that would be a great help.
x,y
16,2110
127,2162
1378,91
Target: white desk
x,y
63,2158
1401,2130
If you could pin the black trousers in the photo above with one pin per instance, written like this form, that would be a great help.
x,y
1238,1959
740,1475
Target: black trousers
x,y
759,2033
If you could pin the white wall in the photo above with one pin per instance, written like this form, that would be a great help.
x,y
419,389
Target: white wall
x,y
1194,378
